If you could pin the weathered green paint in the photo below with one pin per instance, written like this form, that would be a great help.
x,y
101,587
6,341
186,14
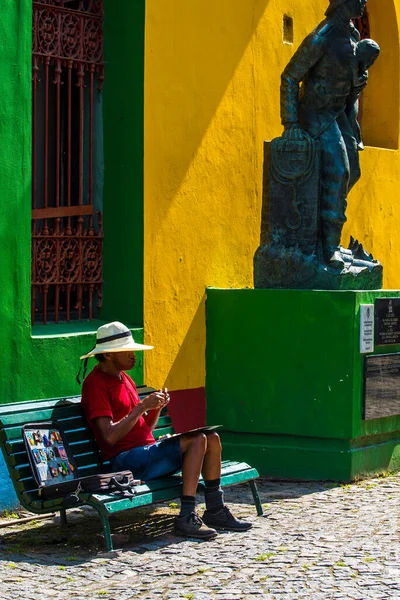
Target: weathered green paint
x,y
285,376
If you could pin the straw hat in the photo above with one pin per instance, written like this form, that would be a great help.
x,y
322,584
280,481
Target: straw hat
x,y
114,337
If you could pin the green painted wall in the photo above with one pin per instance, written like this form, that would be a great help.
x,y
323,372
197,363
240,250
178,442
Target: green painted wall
x,y
284,371
15,194
123,138
44,362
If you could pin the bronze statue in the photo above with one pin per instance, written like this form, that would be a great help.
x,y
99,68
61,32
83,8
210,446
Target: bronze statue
x,y
320,92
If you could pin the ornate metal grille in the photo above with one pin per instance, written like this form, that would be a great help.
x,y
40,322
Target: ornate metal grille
x,y
67,234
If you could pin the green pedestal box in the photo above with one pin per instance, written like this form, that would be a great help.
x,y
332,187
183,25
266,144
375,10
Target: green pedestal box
x,y
285,376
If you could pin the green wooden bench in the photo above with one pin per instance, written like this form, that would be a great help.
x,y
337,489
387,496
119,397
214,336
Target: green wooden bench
x,y
68,412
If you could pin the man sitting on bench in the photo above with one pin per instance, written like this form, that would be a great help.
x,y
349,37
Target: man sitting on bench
x,y
122,425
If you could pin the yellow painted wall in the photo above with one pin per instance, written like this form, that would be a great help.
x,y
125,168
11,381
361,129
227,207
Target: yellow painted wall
x,y
212,77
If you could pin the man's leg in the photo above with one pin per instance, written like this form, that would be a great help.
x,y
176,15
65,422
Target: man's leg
x,y
217,515
194,451
155,460
335,172
213,494
201,453
351,149
193,448
212,459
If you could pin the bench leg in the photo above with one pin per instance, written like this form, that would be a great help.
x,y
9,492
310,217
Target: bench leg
x,y
63,517
106,528
103,514
107,532
256,498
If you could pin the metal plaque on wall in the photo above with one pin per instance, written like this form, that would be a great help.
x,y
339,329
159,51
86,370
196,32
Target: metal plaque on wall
x,y
387,321
381,386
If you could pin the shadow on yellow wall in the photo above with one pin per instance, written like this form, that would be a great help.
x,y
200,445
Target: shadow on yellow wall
x,y
191,353
202,175
194,49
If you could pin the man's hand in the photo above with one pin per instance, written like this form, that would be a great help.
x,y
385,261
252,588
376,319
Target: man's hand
x,y
363,79
152,404
155,403
293,133
156,400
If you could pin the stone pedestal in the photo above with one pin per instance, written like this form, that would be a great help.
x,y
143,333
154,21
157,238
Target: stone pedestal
x,y
285,377
290,254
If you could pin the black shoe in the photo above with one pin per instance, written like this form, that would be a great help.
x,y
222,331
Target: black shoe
x,y
224,519
192,526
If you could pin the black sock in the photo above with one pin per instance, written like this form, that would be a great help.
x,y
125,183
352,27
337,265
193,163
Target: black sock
x,y
214,496
188,504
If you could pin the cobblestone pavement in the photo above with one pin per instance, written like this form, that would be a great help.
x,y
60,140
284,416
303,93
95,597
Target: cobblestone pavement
x,y
316,540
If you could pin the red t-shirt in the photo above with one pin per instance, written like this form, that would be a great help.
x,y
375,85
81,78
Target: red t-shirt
x,y
104,395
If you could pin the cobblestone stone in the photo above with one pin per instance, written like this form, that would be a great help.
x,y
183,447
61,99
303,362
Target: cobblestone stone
x,y
317,541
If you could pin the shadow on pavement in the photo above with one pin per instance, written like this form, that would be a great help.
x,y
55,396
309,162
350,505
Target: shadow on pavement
x,y
139,530
271,490
136,530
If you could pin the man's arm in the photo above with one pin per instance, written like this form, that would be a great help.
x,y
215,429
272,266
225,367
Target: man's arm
x,y
114,432
307,55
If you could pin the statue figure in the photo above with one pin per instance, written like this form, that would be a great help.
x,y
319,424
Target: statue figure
x,y
314,165
367,51
333,74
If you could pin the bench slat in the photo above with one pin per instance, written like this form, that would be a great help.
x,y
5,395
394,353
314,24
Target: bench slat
x,y
231,466
239,476
163,431
14,434
18,407
23,485
34,416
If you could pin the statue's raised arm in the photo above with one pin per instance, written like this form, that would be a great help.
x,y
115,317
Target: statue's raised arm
x,y
308,54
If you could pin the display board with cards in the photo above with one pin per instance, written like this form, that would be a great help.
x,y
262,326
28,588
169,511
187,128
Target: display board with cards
x,y
49,454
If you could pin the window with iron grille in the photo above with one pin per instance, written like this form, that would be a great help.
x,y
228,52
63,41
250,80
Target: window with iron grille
x,y
67,236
